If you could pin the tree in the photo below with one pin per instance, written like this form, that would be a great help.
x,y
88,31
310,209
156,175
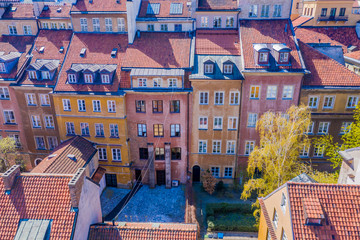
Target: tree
x,y
7,147
208,181
350,139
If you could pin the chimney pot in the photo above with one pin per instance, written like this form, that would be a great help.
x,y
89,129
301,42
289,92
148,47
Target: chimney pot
x,y
75,186
9,177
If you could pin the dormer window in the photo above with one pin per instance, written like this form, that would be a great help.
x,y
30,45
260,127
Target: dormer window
x,y
281,53
2,67
72,78
209,68
263,57
142,82
262,53
45,75
228,68
32,74
88,78
284,57
105,78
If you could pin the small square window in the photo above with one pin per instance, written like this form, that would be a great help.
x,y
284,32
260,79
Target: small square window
x,y
209,68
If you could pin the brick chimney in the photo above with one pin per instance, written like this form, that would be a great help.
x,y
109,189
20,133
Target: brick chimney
x,y
9,177
75,186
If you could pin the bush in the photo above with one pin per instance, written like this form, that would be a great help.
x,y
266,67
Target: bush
x,y
220,186
213,208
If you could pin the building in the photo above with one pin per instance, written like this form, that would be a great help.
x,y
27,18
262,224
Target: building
x,y
299,210
216,81
29,209
352,61
157,103
55,17
273,69
265,10
332,92
88,101
349,172
37,112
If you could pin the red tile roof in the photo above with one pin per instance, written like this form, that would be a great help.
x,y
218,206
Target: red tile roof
x,y
324,70
217,42
142,231
52,11
267,219
37,197
300,21
340,204
354,55
23,10
159,50
10,44
267,32
217,5
52,41
344,36
59,162
98,51
164,9
99,6
98,175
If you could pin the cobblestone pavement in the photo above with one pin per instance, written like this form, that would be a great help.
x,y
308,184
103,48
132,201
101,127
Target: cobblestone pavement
x,y
110,197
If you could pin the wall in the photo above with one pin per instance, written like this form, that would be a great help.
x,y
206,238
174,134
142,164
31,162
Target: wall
x,y
4,23
297,9
245,8
77,27
187,26
67,22
132,9
211,16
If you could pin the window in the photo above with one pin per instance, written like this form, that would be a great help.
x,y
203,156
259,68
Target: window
x,y
234,98
175,106
159,154
172,82
2,67
345,127
142,82
158,130
323,12
157,82
45,75
216,146
249,147
283,237
323,127
102,154
81,105
4,93
230,22
105,78
116,154
230,147
265,10
53,142
62,25
140,106
141,130
99,130
175,130
12,30
304,152
318,150
157,106
219,98
71,78
27,30
263,57
275,219
96,105
284,57
16,139
255,92
40,143
288,92
204,98
277,10
178,28
114,131
313,101
31,99
342,12
217,22
83,24
232,123
218,123
329,102
35,120
215,171
9,116
143,153
32,75
45,25
150,27
49,121
53,25
121,24
271,92
164,27
108,25
283,202
311,128
253,11
88,78
85,131
228,68
228,172
111,106
204,21
202,146
352,102
203,123
70,128
209,68
176,153
66,104
252,119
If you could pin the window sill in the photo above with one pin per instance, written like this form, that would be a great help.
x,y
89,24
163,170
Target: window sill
x,y
70,134
114,137
203,129
174,112
157,112
175,159
97,111
81,110
4,98
234,104
322,133
40,148
217,129
100,136
254,98
141,136
50,128
328,108
67,110
319,157
36,127
117,161
303,157
140,112
103,160
232,129
175,136
45,105
10,123
230,153
158,136
203,104
310,134
87,135
287,99
270,98
251,126
111,112
32,105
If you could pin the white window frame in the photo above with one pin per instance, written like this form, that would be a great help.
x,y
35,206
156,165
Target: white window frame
x,y
83,24
12,30
111,105
72,78
45,100
45,25
45,75
252,119
217,22
27,30
277,10
283,203
35,121
311,128
209,68
85,129
81,105
304,152
249,147
271,92
219,97
70,128
66,104
253,12
275,219
230,22
164,27
312,103
157,82
32,74
234,98
141,130
202,148
116,154
96,24
4,93
49,121
345,127
31,99
37,143
2,67
230,147
174,129
96,105
203,126
263,57
353,101
216,146
204,22
319,151
283,57
288,92
215,171
9,117
121,24
105,78
332,102
142,82
102,153
323,128
205,96
231,122
99,130
114,130
253,92
52,142
108,25
172,83
89,78
216,125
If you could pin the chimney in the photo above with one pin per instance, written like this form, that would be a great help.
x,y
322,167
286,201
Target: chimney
x,y
75,186
9,177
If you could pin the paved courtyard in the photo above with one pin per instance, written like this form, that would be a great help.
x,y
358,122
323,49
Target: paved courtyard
x,y
155,205
110,197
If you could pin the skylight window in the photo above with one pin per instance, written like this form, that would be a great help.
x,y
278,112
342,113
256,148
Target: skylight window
x,y
33,229
153,8
176,8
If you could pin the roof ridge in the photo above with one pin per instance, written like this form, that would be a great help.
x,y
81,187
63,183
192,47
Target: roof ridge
x,y
324,184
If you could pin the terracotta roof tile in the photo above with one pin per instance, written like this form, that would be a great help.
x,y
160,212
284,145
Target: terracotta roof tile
x,y
267,32
144,231
267,219
159,50
217,5
300,21
355,55
23,10
99,6
164,9
99,173
98,51
37,197
324,70
59,162
217,42
340,204
52,11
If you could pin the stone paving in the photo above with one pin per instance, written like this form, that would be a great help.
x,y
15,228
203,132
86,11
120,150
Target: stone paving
x,y
155,205
110,197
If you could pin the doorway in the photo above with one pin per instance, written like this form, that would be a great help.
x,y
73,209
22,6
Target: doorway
x,y
160,177
111,180
138,176
196,173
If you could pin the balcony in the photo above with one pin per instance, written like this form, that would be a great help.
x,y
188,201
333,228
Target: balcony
x,y
333,18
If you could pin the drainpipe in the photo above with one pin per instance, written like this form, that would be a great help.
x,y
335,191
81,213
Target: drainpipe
x,y
238,133
187,135
74,225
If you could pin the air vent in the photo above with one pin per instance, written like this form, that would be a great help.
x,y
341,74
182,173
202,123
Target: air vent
x,y
46,7
82,52
72,157
113,53
13,9
58,10
118,1
61,50
51,156
41,50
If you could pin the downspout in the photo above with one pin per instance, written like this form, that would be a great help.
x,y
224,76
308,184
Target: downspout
x,y
74,225
187,135
238,133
